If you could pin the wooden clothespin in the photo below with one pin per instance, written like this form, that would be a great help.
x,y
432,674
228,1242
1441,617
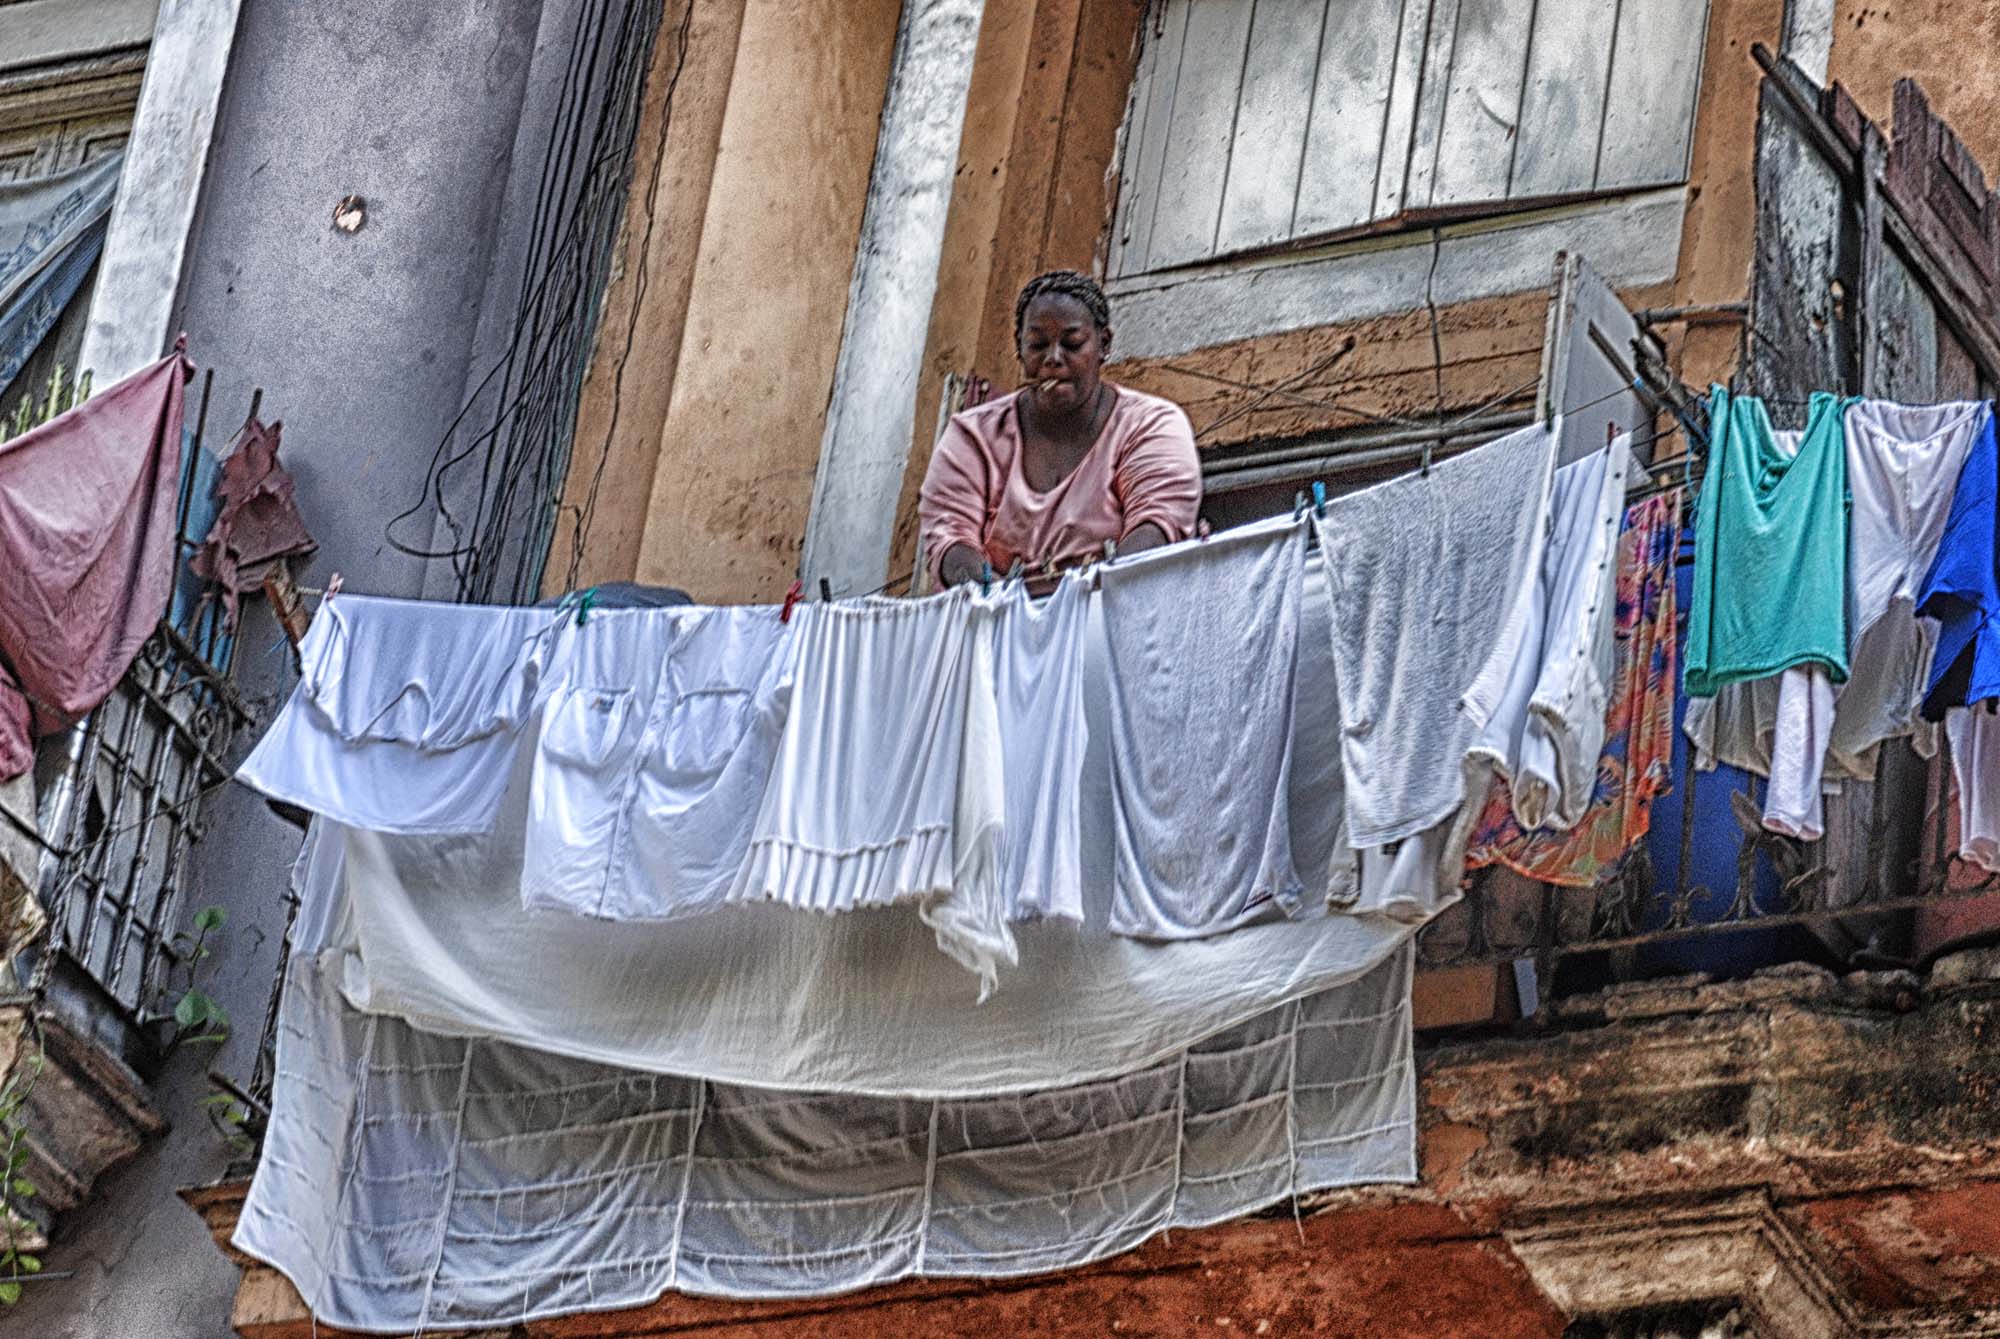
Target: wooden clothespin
x,y
333,585
792,597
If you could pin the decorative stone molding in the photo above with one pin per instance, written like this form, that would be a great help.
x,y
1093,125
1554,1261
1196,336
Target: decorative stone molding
x,y
1618,1258
1621,1257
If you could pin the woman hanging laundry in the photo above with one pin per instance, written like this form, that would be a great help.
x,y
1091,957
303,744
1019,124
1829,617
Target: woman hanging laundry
x,y
1046,475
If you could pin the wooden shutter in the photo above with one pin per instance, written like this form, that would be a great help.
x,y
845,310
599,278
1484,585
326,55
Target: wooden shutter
x,y
1256,122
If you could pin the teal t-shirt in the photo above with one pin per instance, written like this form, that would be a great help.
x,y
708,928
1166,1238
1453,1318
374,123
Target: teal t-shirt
x,y
1770,555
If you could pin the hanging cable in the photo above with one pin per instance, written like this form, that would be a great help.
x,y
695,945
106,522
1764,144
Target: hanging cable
x,y
495,494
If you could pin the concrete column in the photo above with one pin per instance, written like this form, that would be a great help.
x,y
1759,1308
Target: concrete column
x,y
139,276
871,413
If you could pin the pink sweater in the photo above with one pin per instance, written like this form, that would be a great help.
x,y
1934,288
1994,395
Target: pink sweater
x,y
1141,468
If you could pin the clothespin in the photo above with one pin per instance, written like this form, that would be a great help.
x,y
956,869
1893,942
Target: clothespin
x,y
333,585
1319,499
1298,504
986,578
825,591
792,596
1110,549
1014,572
584,602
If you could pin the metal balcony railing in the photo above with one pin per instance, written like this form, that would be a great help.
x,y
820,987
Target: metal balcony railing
x,y
127,808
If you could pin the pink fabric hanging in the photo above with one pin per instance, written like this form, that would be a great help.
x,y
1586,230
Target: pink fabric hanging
x,y
87,506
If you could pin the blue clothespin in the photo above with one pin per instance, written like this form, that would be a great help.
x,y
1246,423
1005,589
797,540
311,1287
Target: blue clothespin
x,y
986,578
1319,499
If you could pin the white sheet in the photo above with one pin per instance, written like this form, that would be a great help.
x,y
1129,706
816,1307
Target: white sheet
x,y
411,1181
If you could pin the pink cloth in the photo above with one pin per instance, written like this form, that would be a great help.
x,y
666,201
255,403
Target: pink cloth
x,y
86,551
1141,468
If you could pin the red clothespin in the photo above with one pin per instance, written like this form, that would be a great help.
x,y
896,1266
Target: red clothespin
x,y
792,597
1610,432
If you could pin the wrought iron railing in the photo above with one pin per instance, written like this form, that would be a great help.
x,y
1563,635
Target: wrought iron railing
x,y
126,806
1889,850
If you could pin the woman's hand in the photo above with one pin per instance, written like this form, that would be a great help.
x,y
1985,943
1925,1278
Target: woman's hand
x,y
961,563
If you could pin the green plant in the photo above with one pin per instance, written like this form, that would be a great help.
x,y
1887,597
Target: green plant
x,y
16,1189
31,412
197,1017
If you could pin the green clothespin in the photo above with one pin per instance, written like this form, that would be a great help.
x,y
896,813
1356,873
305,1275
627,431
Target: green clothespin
x,y
986,578
584,604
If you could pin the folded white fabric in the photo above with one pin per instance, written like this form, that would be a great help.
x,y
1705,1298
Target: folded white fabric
x,y
1974,733
1425,574
1202,644
655,750
408,714
1038,673
1540,702
411,1181
885,789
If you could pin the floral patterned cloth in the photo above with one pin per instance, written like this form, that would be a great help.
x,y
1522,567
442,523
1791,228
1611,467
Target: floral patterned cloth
x,y
1636,764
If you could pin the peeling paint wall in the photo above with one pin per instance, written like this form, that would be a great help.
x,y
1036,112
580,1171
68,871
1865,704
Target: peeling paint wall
x,y
362,343
755,363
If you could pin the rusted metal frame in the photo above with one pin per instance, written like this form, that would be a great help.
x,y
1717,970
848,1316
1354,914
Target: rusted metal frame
x,y
1488,953
128,917
97,858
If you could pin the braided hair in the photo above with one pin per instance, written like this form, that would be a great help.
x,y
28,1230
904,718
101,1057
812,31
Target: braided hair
x,y
1063,284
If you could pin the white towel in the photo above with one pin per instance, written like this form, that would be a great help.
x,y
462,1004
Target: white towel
x,y
1424,573
1202,646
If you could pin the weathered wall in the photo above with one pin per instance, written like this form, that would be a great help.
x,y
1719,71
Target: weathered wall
x,y
1952,46
630,382
362,344
755,360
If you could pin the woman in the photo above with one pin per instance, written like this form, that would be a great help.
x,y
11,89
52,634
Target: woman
x,y
1046,475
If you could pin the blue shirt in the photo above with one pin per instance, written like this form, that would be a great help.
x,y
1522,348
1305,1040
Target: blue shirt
x,y
1962,591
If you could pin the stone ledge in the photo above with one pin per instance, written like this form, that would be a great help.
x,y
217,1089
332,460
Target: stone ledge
x,y
87,1112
